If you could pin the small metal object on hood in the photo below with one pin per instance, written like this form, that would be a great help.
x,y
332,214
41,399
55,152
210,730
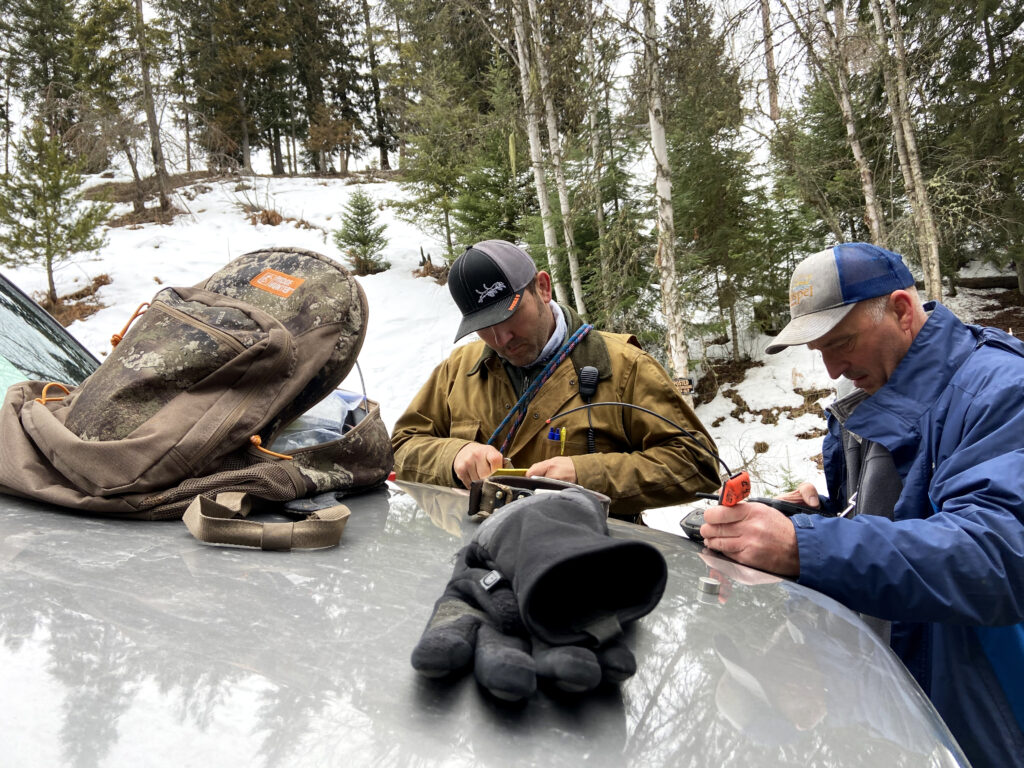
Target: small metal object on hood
x,y
709,585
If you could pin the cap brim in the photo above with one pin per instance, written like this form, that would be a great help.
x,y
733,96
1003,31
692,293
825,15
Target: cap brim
x,y
486,317
807,328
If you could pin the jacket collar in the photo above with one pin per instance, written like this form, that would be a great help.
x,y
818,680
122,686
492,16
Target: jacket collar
x,y
592,350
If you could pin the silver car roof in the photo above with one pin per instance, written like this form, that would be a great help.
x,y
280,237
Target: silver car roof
x,y
131,643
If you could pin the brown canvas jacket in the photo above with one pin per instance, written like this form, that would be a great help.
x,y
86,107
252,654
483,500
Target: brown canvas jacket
x,y
641,462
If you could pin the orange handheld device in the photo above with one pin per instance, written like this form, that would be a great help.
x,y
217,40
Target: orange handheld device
x,y
735,489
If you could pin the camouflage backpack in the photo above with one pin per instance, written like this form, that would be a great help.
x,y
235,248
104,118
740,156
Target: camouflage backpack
x,y
187,402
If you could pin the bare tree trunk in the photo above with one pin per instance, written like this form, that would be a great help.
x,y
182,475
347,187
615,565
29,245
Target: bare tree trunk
x,y
906,142
555,151
536,159
769,61
51,288
276,157
596,163
188,142
378,112
7,119
448,234
246,148
186,117
671,304
163,181
611,145
139,200
734,331
873,215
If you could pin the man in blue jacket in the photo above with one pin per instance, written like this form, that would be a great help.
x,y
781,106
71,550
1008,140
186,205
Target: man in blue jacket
x,y
924,523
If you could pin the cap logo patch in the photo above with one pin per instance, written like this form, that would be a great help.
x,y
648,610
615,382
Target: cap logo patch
x,y
515,303
490,291
802,288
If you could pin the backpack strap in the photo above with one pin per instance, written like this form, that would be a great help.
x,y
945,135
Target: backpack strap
x,y
222,521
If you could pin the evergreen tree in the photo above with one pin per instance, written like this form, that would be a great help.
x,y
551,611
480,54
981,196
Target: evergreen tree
x,y
975,126
382,133
361,238
39,35
323,69
496,191
441,127
41,218
232,54
710,164
258,74
106,65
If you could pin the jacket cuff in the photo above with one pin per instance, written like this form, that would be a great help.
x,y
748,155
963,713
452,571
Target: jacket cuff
x,y
437,470
808,548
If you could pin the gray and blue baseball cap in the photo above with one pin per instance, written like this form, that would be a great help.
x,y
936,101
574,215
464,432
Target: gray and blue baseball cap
x,y
826,286
487,283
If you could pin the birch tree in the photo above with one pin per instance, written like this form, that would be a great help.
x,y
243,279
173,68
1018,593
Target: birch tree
x,y
769,62
596,163
555,153
836,41
665,260
163,181
836,73
894,73
526,75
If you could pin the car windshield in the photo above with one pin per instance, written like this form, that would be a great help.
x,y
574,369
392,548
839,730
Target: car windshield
x,y
34,346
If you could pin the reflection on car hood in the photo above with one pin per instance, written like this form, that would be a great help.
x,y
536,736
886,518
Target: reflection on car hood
x,y
129,643
34,346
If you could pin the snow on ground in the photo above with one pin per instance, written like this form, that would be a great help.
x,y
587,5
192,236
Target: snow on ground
x,y
412,320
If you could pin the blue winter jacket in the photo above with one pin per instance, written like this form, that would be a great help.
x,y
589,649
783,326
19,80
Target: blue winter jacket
x,y
948,569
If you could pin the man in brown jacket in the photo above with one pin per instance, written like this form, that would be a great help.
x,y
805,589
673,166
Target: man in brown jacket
x,y
488,404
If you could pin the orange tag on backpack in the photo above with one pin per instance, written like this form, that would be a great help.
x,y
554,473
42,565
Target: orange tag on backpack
x,y
277,283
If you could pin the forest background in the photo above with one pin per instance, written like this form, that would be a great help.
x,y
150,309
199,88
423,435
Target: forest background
x,y
669,165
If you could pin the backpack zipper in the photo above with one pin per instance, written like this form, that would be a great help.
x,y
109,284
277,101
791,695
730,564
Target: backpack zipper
x,y
229,422
185,317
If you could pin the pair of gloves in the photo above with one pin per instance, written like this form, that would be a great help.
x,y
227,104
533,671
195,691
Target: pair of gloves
x,y
542,591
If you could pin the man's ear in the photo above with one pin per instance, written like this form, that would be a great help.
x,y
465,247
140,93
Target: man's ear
x,y
903,305
544,285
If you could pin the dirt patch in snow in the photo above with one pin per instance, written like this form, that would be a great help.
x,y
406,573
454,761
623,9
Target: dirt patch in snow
x,y
1002,309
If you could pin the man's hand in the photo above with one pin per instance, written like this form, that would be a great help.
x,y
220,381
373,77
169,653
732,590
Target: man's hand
x,y
753,534
558,468
475,461
805,494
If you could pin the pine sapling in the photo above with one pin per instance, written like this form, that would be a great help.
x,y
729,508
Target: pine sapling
x,y
361,238
42,218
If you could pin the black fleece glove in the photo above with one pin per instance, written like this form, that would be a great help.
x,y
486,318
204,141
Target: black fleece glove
x,y
548,560
476,622
573,582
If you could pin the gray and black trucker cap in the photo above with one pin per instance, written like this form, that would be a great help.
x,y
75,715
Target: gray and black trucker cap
x,y
487,283
827,285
